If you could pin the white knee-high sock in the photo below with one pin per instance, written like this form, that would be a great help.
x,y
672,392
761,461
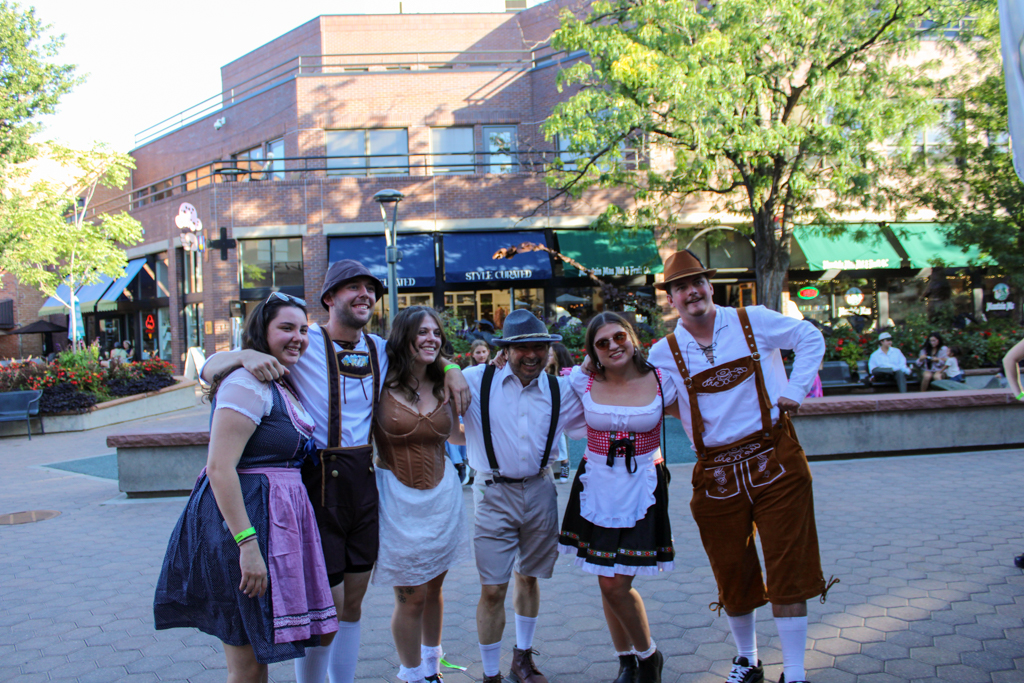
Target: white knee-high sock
x,y
431,657
490,655
793,634
344,653
525,628
313,667
744,632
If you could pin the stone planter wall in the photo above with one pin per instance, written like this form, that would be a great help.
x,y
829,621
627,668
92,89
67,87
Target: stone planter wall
x,y
175,397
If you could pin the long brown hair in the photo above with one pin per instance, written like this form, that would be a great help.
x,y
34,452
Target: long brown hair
x,y
254,334
403,334
609,318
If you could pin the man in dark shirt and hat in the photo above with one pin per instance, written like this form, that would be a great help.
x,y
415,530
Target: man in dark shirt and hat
x,y
338,380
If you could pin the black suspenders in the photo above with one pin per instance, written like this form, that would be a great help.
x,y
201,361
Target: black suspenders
x,y
485,419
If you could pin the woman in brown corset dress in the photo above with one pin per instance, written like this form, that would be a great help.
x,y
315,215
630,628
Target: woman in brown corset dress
x,y
423,528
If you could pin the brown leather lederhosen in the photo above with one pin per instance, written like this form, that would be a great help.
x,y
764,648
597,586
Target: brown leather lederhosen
x,y
758,484
342,486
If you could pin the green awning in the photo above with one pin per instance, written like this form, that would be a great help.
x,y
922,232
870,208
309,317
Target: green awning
x,y
843,252
925,242
610,254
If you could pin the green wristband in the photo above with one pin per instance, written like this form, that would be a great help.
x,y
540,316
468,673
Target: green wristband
x,y
451,366
242,535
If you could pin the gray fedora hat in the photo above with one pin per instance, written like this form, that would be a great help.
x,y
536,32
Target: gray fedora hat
x,y
523,327
341,272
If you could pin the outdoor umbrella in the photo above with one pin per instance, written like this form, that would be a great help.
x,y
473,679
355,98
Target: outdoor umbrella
x,y
39,327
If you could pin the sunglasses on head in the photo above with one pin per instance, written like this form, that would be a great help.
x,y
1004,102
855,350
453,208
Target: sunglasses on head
x,y
619,338
287,298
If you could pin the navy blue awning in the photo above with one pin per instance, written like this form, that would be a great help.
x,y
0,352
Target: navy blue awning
x,y
415,270
469,257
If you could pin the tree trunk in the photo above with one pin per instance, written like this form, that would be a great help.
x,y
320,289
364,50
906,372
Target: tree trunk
x,y
771,262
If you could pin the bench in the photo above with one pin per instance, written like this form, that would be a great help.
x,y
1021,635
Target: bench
x,y
162,456
836,378
21,405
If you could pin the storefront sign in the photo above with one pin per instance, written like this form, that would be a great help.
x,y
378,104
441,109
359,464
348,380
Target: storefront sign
x,y
187,220
477,276
808,293
622,270
1001,292
860,264
150,322
406,282
854,296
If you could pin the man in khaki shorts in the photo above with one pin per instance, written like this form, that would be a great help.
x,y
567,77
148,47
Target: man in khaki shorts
x,y
512,432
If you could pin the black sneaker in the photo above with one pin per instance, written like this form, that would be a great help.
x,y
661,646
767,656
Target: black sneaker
x,y
1019,561
743,672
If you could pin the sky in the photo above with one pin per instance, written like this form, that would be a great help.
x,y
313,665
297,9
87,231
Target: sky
x,y
146,61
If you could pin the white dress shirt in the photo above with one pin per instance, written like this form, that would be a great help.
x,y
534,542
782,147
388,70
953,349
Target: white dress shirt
x,y
309,378
520,418
894,360
733,414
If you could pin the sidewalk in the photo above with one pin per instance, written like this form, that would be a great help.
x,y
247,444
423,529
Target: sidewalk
x,y
923,546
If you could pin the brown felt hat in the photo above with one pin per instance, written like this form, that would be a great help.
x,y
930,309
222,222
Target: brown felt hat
x,y
341,272
683,264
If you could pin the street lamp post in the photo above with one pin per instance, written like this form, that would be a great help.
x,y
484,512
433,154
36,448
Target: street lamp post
x,y
385,198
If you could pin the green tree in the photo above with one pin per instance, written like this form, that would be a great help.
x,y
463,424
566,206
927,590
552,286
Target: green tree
x,y
55,239
30,84
780,112
980,198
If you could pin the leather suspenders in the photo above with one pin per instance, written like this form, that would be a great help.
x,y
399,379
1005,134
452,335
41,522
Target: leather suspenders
x,y
334,388
485,420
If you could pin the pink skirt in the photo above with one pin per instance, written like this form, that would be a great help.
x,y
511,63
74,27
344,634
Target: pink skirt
x,y
299,589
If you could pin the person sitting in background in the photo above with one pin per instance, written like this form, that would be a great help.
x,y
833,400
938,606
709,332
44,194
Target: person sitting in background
x,y
888,362
122,353
932,359
560,364
952,369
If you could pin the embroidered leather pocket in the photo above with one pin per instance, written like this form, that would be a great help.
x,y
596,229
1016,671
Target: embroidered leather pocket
x,y
721,481
762,469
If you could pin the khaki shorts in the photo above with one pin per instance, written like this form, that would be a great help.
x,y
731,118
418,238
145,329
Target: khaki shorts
x,y
516,528
768,496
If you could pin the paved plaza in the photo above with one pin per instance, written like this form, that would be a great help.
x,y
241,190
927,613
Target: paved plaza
x,y
923,546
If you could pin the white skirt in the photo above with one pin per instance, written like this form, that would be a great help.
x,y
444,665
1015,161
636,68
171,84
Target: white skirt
x,y
422,532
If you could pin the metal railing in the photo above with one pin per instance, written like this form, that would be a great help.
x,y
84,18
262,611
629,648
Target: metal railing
x,y
531,162
351,65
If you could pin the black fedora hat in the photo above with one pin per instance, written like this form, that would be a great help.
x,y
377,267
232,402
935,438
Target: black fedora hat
x,y
341,272
523,327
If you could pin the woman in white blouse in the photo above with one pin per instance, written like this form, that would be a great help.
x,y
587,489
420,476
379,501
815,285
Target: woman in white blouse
x,y
616,522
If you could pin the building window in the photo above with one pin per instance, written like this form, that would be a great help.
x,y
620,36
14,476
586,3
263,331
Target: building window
x,y
7,313
194,326
501,149
568,158
381,151
270,263
932,142
263,162
191,271
152,280
451,150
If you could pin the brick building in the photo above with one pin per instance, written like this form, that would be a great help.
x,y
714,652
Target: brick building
x,y
444,108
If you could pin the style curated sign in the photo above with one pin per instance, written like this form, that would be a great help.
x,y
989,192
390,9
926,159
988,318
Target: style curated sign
x,y
483,275
859,264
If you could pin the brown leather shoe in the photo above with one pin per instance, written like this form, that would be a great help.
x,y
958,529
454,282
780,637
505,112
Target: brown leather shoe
x,y
523,668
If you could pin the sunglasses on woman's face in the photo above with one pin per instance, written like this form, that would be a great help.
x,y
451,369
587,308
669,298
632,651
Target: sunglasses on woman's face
x,y
287,298
619,338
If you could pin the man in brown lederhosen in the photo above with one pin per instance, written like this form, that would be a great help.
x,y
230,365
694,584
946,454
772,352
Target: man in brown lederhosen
x,y
338,381
751,475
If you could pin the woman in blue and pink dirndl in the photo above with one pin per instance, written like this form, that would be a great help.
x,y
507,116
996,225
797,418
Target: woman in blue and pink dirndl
x,y
244,562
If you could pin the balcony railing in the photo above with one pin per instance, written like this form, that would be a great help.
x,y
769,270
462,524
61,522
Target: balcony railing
x,y
351,65
304,168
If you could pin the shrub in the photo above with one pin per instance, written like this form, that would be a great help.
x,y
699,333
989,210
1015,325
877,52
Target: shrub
x,y
65,398
138,385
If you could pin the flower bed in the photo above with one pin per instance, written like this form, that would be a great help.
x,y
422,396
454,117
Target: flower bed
x,y
76,380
